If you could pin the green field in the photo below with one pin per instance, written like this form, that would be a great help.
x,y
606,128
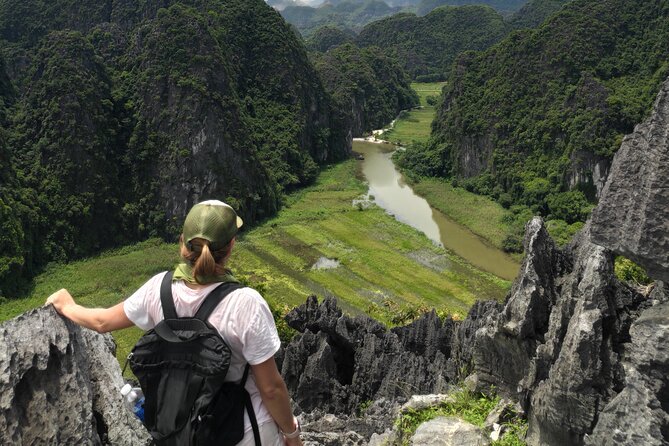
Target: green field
x,y
415,125
387,270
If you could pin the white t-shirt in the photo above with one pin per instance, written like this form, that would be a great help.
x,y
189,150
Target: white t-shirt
x,y
243,319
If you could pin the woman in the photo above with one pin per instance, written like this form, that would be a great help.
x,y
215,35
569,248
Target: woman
x,y
243,318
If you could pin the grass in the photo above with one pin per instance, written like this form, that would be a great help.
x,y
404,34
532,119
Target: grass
x,y
415,125
386,270
471,407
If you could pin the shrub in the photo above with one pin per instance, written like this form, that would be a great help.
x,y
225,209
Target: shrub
x,y
628,271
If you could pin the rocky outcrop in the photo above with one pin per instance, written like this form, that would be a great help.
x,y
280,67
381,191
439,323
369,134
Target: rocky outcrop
x,y
560,343
60,384
639,414
338,363
632,217
574,345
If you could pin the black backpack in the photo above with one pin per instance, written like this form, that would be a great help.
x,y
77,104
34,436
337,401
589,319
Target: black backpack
x,y
181,365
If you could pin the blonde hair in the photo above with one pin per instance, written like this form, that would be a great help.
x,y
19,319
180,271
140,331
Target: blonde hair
x,y
204,261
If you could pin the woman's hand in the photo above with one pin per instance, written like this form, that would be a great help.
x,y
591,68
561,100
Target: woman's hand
x,y
60,299
101,320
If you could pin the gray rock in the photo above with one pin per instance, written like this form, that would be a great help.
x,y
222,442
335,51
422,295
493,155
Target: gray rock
x,y
420,402
385,439
61,384
505,411
639,414
339,363
332,439
448,431
556,345
506,345
632,217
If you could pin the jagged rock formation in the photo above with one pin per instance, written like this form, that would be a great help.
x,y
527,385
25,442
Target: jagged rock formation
x,y
639,414
632,217
557,345
339,362
585,354
60,384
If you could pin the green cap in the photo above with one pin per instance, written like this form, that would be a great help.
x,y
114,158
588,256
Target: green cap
x,y
211,220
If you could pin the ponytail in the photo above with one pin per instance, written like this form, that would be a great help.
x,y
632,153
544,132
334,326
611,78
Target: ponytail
x,y
205,265
204,262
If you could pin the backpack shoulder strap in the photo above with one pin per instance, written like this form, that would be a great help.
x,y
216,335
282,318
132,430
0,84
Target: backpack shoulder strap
x,y
166,299
214,298
249,407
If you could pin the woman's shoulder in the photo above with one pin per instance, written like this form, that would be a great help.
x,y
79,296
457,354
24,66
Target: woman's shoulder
x,y
248,293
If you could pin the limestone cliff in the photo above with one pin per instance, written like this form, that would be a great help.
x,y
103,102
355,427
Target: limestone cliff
x,y
632,217
61,384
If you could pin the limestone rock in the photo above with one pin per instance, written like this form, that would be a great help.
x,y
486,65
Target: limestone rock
x,y
556,346
448,431
639,414
506,345
338,363
385,439
632,217
60,384
420,402
332,439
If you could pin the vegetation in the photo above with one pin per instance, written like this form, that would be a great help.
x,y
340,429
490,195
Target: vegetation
x,y
479,214
355,14
115,119
628,271
414,125
327,37
348,14
523,120
367,82
535,12
278,258
469,406
504,7
428,45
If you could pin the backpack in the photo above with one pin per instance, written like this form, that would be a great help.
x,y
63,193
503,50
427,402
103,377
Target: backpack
x,y
181,366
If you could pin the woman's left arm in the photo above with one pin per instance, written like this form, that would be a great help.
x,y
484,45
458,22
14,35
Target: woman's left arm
x,y
101,320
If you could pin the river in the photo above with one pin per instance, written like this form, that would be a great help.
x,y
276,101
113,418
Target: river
x,y
393,194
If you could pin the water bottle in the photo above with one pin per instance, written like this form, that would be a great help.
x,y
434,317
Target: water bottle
x,y
134,399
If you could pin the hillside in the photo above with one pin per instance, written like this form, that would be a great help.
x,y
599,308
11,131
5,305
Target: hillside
x,y
355,14
327,37
427,46
536,119
117,117
535,12
346,14
504,7
369,86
